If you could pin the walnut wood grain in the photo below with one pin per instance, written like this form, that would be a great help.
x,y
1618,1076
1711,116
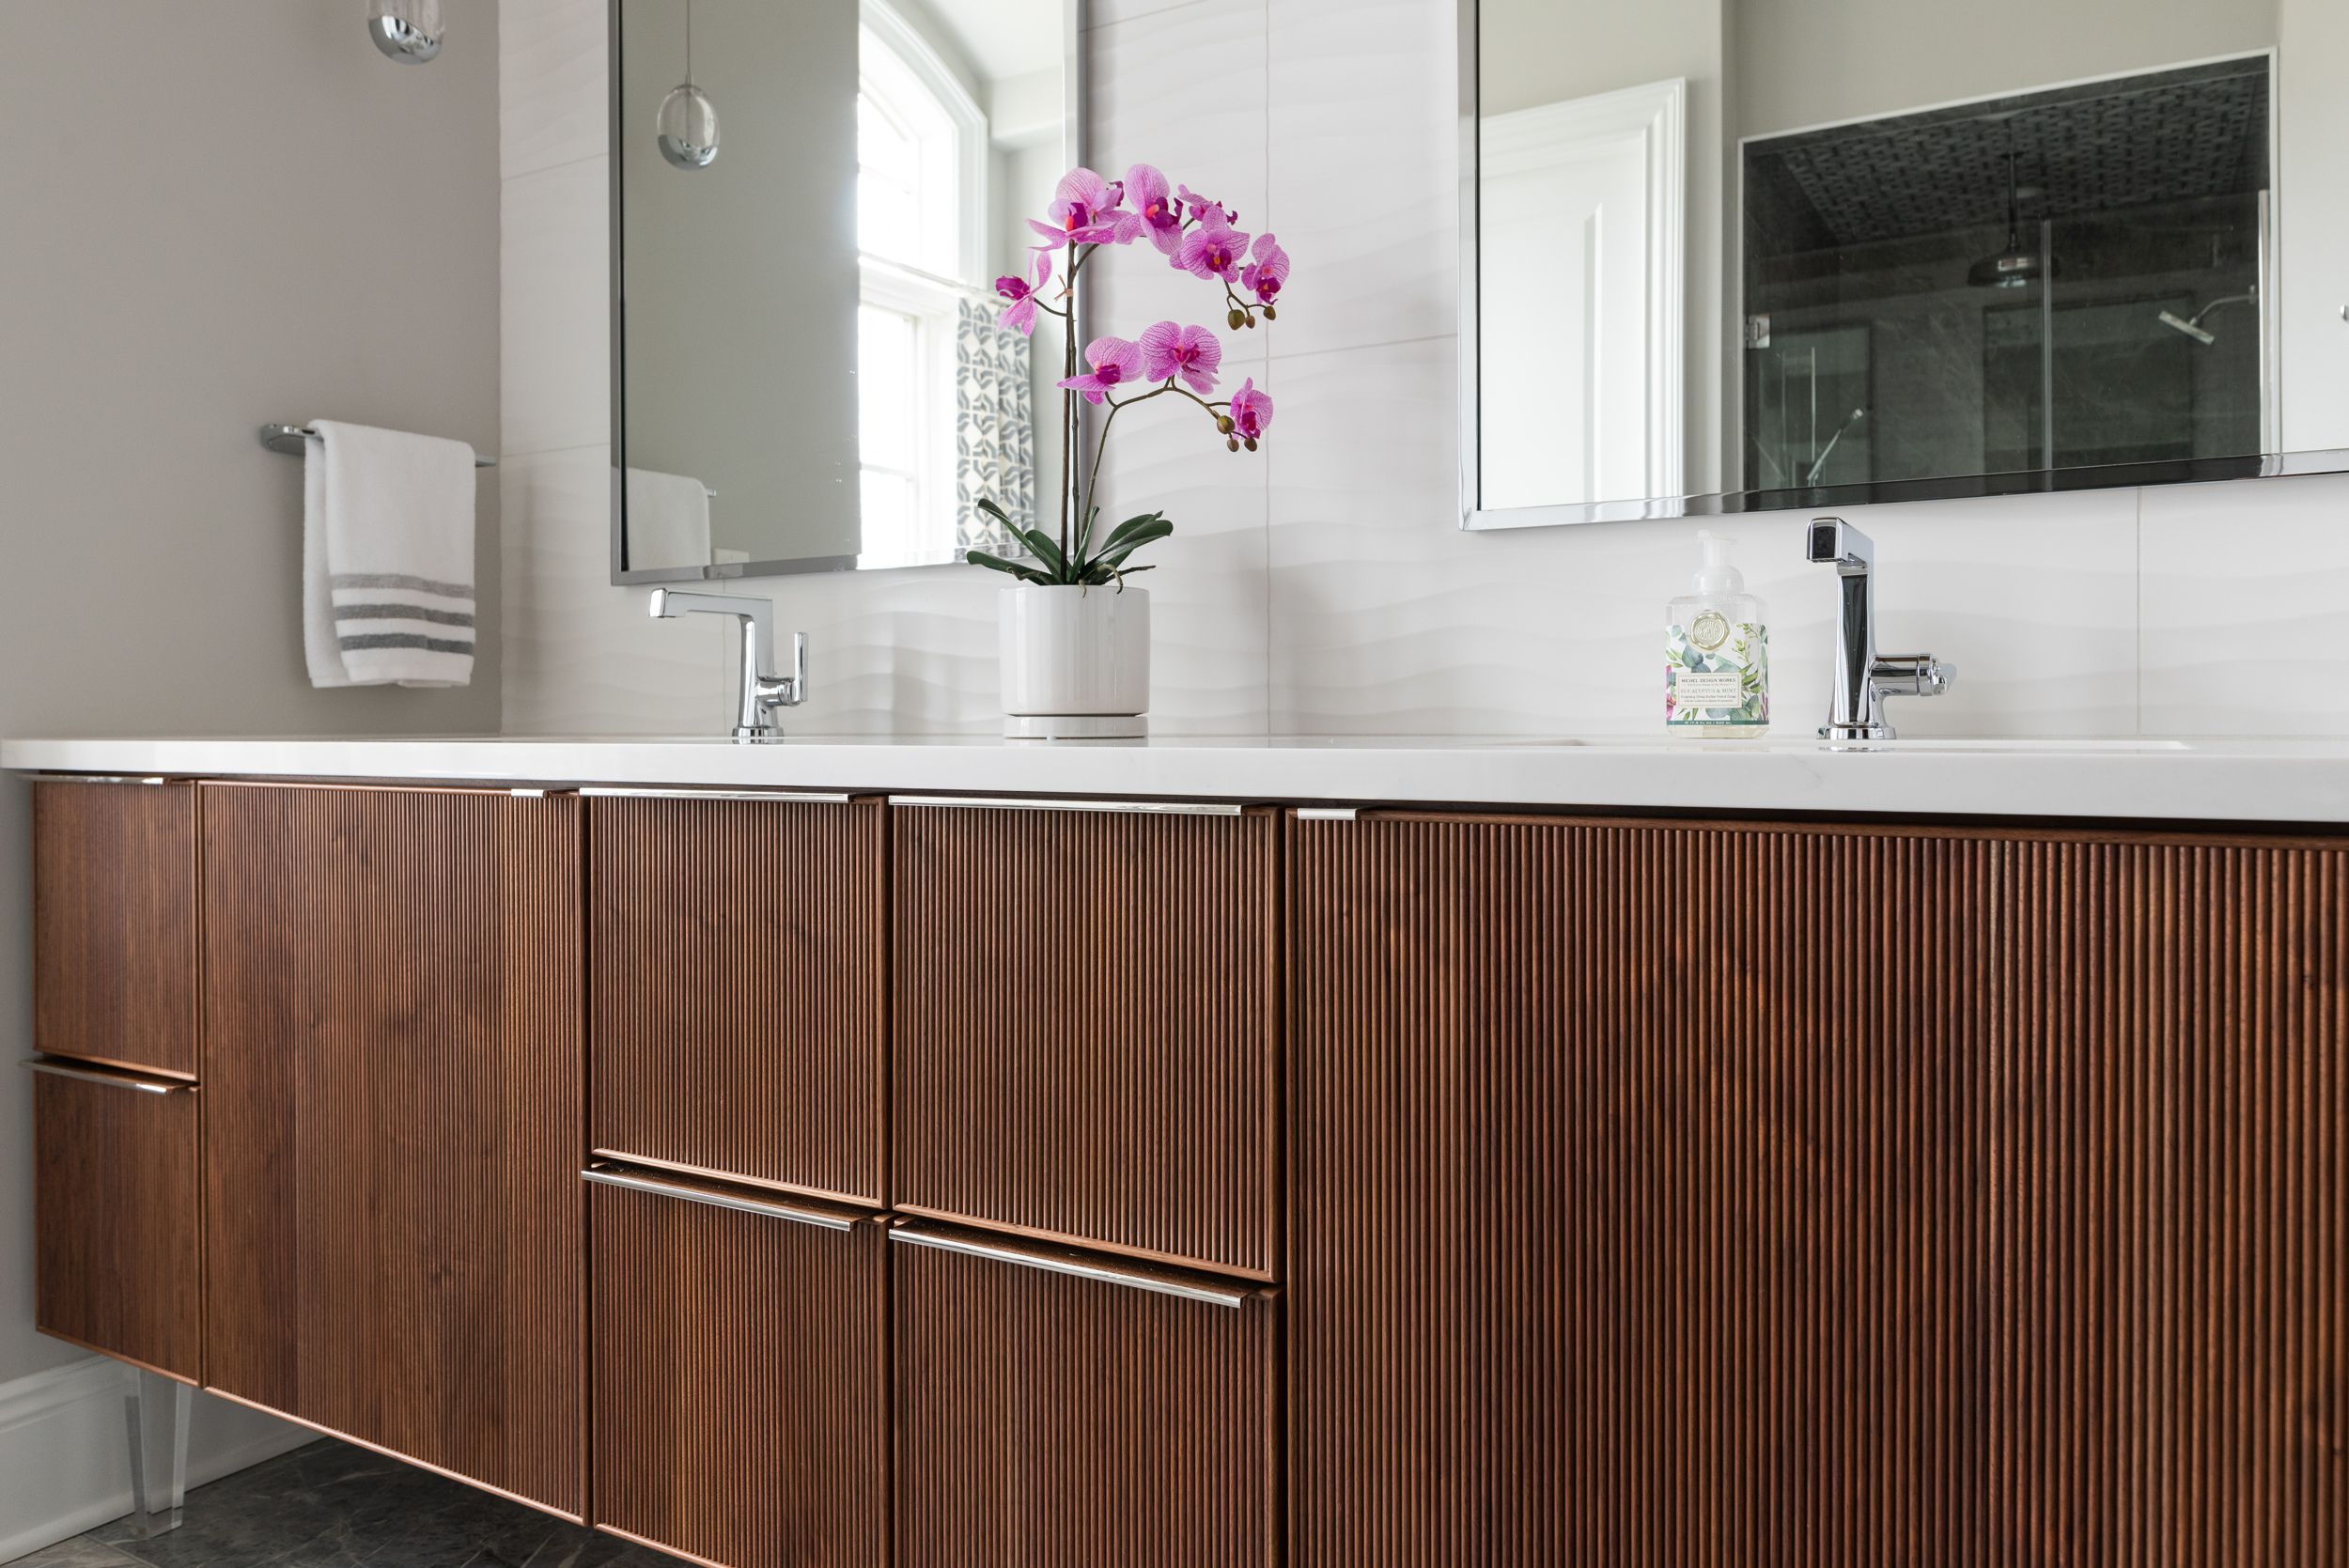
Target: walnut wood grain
x,y
2170,1322
1050,1421
1721,1195
740,1386
117,1238
1083,1026
113,924
394,1113
738,988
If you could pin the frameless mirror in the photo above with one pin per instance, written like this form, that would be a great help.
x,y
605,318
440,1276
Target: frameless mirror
x,y
1739,255
809,204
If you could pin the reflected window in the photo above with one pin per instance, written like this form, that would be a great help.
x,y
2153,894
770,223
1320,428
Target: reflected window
x,y
921,147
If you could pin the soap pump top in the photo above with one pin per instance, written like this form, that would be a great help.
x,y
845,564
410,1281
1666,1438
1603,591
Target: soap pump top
x,y
1714,575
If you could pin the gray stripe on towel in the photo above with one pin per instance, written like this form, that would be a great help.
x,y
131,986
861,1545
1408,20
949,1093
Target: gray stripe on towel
x,y
399,579
404,640
402,612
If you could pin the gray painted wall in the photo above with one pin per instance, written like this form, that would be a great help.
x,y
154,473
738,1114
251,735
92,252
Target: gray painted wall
x,y
212,215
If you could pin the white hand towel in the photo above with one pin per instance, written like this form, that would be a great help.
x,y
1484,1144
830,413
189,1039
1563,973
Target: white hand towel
x,y
387,553
668,521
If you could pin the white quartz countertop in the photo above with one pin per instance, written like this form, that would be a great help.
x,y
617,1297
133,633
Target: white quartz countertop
x,y
2217,780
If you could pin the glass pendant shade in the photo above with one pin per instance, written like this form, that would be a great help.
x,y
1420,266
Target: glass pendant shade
x,y
408,31
688,126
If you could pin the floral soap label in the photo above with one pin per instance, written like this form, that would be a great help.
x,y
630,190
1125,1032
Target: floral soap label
x,y
1716,673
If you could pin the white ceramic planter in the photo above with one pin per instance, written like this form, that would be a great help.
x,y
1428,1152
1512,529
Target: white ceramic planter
x,y
1074,661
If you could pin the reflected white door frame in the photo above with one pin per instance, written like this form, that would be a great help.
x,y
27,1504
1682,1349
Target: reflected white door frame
x,y
1581,299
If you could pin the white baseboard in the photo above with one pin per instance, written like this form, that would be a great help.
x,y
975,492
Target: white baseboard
x,y
65,1449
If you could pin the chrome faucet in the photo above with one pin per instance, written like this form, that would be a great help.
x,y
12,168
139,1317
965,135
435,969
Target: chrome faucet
x,y
1864,678
762,690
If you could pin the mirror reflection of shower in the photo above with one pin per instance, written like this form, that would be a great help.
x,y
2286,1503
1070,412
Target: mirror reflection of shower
x,y
2192,325
2071,276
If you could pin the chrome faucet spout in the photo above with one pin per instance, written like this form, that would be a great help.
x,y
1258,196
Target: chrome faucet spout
x,y
760,689
1863,677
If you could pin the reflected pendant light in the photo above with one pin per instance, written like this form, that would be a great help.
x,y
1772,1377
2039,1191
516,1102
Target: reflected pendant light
x,y
687,123
2013,267
409,31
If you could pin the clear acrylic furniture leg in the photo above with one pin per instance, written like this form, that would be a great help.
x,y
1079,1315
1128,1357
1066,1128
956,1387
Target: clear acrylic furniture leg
x,y
158,1413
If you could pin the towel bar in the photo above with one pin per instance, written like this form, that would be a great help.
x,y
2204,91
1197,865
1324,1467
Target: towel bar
x,y
289,439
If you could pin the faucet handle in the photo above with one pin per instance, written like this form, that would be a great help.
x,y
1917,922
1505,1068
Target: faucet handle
x,y
1913,675
1832,539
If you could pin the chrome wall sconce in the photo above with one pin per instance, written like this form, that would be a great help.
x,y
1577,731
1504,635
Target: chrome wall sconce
x,y
409,31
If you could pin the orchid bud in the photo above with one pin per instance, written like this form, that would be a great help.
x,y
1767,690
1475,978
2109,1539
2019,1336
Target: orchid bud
x,y
1234,316
1251,443
1270,314
1232,443
1252,320
1223,423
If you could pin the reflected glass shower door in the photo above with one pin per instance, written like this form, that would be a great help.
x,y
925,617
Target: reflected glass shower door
x,y
1807,406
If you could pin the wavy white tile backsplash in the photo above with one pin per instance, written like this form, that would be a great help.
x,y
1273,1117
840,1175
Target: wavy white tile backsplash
x,y
1322,585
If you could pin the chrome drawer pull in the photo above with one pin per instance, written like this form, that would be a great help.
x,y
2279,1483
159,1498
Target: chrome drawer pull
x,y
1017,1258
777,797
98,778
634,1182
120,1080
1153,808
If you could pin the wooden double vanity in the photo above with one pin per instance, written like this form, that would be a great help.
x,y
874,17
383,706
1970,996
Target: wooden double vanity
x,y
799,1178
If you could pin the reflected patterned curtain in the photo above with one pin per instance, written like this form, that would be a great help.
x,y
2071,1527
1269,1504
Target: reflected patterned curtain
x,y
994,431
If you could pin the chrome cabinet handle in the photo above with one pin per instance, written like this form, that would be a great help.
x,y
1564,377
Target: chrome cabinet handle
x,y
779,798
606,1177
1155,808
1075,1268
49,1068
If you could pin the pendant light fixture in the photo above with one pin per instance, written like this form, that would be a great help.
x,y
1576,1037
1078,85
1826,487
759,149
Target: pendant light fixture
x,y
408,31
2013,267
687,123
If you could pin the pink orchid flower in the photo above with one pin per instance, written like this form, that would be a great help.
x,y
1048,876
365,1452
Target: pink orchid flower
x,y
1084,212
1191,352
1203,210
1212,250
1264,276
1160,213
1115,363
1252,411
1021,313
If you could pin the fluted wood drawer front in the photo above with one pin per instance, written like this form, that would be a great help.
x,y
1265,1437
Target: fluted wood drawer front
x,y
2171,1322
1638,1195
738,988
393,1117
1083,1026
113,924
1047,1420
117,1240
741,1401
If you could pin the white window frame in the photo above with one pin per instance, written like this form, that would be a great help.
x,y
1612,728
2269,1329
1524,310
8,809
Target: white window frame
x,y
966,164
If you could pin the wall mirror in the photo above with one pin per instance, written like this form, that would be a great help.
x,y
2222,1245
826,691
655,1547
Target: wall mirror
x,y
1742,255
809,204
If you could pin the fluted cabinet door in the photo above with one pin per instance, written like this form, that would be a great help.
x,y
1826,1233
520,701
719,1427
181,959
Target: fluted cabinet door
x,y
393,1117
738,988
742,1402
2172,1204
117,1239
1083,1034
113,924
1638,1180
1056,1419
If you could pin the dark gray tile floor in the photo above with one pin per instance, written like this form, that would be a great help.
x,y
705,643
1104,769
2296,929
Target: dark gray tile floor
x,y
334,1506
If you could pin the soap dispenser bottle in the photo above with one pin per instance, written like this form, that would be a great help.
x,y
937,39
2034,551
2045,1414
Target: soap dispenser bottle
x,y
1717,651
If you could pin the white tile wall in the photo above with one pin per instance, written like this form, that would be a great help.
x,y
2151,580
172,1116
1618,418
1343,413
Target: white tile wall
x,y
1322,585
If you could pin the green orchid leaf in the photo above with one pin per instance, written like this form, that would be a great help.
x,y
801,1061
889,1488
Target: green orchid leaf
x,y
995,563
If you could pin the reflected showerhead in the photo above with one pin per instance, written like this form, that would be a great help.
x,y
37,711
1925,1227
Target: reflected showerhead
x,y
2194,328
2013,267
2171,318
